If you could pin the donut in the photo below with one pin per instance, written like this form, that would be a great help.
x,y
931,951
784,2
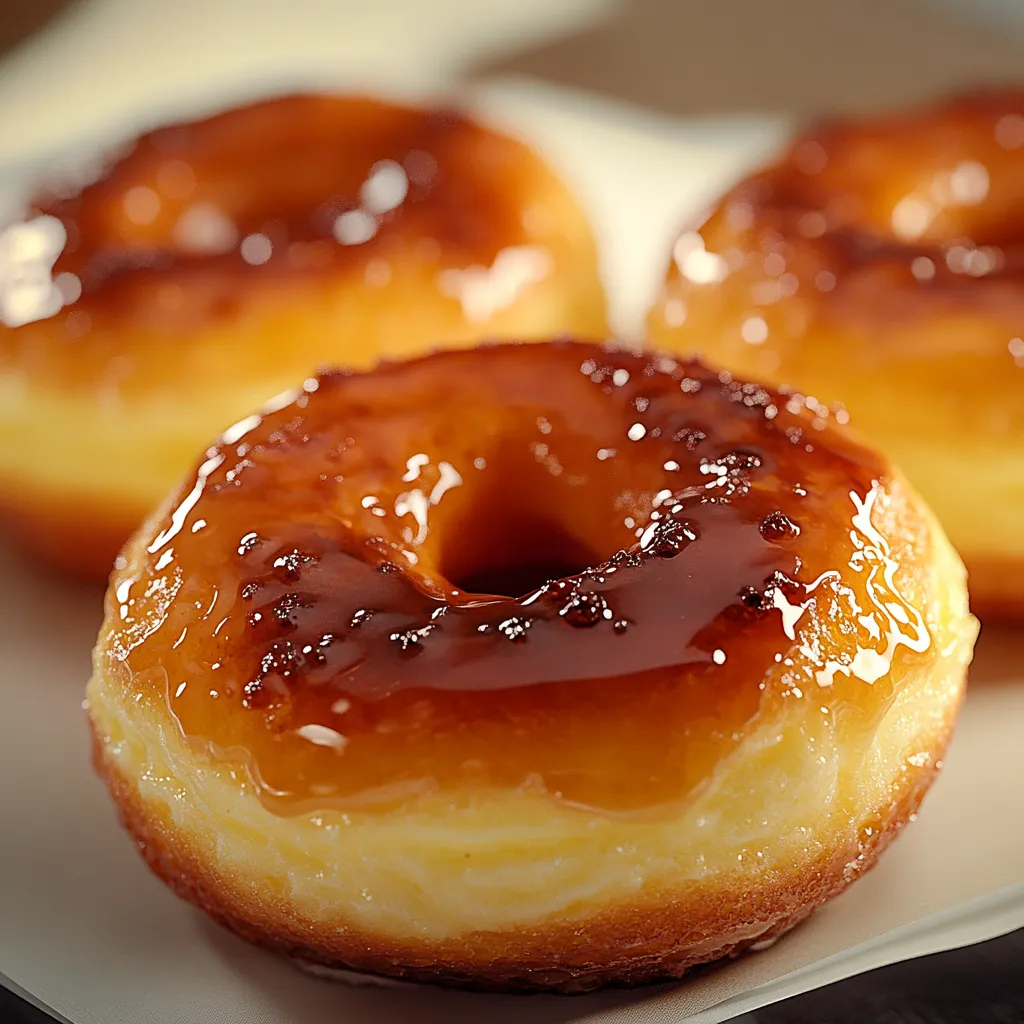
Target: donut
x,y
527,667
881,263
216,262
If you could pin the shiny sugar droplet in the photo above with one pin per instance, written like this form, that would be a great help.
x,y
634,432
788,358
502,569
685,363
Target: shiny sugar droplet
x,y
670,537
777,526
586,609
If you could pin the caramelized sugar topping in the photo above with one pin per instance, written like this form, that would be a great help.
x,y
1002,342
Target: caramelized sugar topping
x,y
560,566
198,219
884,213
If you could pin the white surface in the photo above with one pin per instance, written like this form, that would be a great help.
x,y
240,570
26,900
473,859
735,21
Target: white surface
x,y
84,925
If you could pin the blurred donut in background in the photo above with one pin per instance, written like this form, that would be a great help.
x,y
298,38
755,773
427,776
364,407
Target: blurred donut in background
x,y
216,262
880,263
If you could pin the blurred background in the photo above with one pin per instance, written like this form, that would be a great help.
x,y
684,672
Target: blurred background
x,y
69,65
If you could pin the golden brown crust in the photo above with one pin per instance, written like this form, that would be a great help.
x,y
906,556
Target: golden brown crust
x,y
658,939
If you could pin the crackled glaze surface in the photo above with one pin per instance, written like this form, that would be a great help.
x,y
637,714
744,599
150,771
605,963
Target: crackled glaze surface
x,y
557,566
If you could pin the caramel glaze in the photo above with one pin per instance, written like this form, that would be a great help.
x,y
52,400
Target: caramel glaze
x,y
198,218
871,225
557,566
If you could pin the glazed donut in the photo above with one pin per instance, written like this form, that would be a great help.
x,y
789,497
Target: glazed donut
x,y
527,667
881,263
217,262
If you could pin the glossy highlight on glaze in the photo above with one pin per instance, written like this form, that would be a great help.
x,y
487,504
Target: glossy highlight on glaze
x,y
863,224
543,566
185,224
933,197
288,186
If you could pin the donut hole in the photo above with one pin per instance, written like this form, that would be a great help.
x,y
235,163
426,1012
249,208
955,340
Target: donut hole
x,y
509,555
521,525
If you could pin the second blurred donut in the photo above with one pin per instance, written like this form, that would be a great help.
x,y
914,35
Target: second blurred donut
x,y
881,264
219,261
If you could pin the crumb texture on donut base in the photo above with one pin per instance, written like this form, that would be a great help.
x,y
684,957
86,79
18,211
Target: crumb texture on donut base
x,y
514,887
877,263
